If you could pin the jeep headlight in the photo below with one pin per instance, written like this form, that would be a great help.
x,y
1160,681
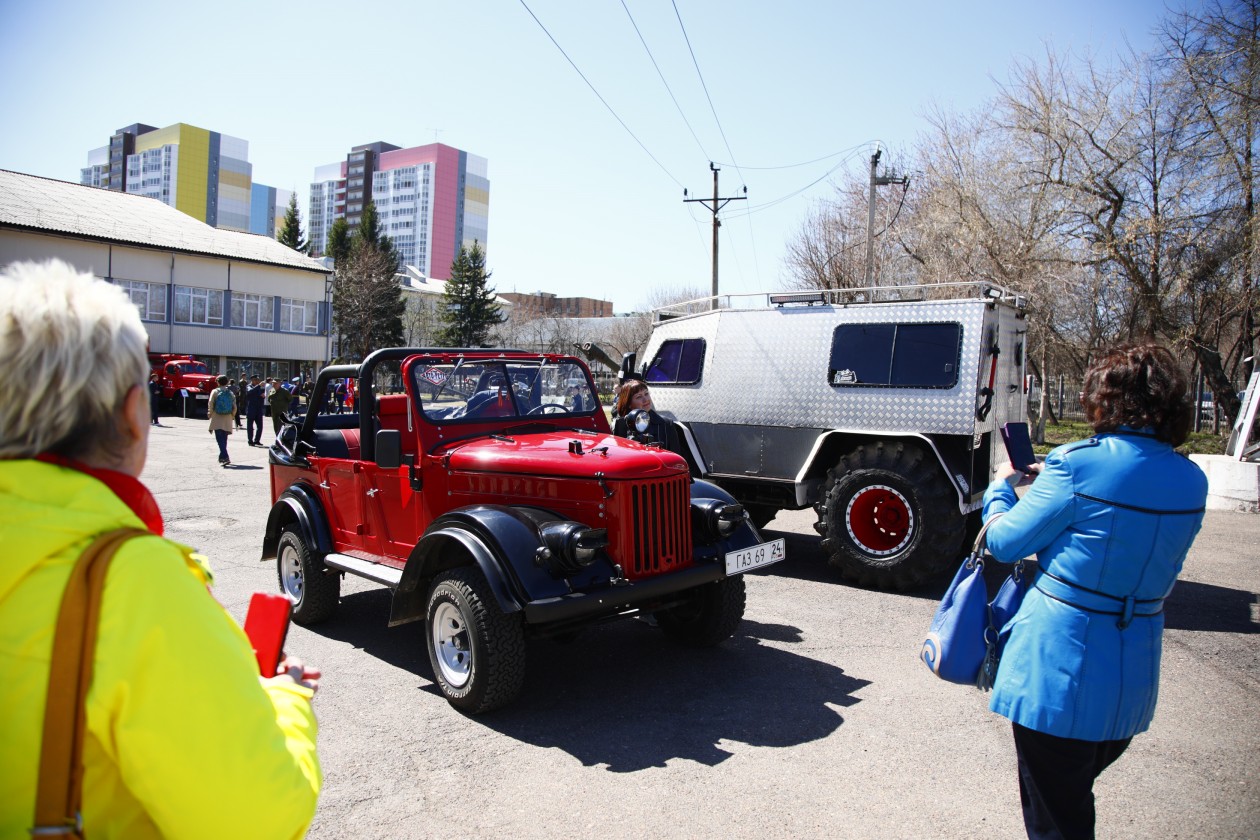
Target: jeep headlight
x,y
569,547
638,420
713,520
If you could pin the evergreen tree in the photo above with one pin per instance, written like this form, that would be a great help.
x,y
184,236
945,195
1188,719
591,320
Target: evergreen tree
x,y
368,233
291,230
470,311
338,241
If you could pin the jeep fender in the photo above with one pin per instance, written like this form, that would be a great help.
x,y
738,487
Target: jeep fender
x,y
745,535
298,505
500,540
829,445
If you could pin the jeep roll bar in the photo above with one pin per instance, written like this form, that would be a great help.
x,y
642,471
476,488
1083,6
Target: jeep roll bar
x,y
367,393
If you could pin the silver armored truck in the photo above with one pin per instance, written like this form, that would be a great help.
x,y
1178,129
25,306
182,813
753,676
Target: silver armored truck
x,y
880,408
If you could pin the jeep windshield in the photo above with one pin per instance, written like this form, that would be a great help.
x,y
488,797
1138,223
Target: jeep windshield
x,y
452,391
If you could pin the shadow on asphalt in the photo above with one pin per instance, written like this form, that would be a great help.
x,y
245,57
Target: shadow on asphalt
x,y
1207,607
623,696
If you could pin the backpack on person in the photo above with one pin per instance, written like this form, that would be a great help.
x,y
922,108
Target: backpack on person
x,y
223,402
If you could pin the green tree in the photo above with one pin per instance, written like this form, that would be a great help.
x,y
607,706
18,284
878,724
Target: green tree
x,y
470,311
338,241
291,230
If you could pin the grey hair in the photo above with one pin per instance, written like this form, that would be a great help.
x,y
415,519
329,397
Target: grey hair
x,y
73,346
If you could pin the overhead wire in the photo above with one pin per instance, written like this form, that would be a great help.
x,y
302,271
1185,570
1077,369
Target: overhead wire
x,y
599,96
648,50
695,62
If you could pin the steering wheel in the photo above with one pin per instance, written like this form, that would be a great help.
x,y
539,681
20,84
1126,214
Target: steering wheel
x,y
542,409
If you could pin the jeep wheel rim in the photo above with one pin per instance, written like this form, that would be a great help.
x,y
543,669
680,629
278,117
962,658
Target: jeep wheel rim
x,y
451,644
291,574
879,520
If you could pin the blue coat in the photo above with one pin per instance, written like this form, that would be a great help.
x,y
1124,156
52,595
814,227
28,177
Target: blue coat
x,y
1115,514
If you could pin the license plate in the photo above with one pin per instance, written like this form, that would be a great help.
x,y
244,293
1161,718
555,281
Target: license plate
x,y
203,397
753,557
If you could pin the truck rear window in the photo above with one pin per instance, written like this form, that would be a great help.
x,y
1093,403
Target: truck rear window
x,y
895,355
678,361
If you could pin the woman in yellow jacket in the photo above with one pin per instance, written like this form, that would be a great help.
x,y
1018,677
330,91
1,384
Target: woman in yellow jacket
x,y
184,739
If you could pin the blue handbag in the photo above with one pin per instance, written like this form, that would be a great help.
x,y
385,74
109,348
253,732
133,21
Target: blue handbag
x,y
964,642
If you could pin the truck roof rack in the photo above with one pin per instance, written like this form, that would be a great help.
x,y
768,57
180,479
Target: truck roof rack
x,y
969,290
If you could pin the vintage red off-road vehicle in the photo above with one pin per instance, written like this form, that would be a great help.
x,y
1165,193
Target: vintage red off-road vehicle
x,y
486,489
179,373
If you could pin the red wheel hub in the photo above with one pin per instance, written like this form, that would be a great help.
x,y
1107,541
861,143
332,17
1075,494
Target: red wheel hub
x,y
879,519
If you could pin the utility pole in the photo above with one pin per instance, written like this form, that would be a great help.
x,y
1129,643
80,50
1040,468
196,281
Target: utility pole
x,y
714,206
891,178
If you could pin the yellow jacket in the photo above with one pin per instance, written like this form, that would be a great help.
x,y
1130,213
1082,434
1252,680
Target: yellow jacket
x,y
184,740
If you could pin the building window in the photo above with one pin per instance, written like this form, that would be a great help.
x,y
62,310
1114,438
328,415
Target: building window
x,y
198,306
253,311
299,316
149,298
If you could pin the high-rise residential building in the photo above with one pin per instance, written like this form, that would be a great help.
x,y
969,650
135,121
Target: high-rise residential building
x,y
202,173
430,200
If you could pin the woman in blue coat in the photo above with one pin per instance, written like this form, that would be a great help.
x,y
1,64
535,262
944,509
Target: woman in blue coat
x,y
1110,520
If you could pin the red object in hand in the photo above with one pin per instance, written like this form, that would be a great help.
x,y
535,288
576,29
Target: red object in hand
x,y
267,625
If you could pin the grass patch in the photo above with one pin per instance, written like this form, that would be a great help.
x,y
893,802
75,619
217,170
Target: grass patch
x,y
1199,443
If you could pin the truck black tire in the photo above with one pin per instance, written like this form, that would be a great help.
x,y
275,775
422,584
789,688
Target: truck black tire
x,y
708,615
888,517
477,651
314,591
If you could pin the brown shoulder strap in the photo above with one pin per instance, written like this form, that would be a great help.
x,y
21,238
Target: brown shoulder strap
x,y
60,792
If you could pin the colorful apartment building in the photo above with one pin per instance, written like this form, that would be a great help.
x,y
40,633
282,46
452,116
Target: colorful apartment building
x,y
430,200
202,173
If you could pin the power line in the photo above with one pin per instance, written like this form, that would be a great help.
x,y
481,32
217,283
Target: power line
x,y
751,234
597,94
848,152
662,75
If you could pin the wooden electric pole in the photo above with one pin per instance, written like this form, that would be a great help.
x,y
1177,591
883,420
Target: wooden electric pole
x,y
714,205
891,178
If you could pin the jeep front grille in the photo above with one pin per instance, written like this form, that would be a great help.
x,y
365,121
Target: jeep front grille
x,y
657,536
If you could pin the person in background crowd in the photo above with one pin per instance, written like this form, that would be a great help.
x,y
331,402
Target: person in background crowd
x,y
183,738
238,389
269,388
339,395
155,398
1110,520
254,411
280,398
221,422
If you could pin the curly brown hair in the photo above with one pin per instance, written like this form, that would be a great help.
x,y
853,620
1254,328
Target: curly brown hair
x,y
1140,386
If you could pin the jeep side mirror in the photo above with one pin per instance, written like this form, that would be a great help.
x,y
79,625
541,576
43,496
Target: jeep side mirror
x,y
389,449
627,365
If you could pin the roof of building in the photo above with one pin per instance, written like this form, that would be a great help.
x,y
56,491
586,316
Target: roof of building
x,y
45,204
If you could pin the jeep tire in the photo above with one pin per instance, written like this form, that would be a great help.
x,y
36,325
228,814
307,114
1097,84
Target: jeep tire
x,y
477,651
888,517
708,614
313,589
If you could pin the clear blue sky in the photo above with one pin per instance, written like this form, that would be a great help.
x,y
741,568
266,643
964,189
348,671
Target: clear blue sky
x,y
577,206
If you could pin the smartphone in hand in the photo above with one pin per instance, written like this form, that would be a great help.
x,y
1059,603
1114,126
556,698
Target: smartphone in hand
x,y
267,625
1018,445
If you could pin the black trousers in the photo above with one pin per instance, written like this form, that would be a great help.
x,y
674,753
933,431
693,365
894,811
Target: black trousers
x,y
1056,782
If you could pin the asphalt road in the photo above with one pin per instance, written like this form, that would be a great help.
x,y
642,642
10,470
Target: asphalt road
x,y
816,720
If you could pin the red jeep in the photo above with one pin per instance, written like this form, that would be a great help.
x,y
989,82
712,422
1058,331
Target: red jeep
x,y
498,506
